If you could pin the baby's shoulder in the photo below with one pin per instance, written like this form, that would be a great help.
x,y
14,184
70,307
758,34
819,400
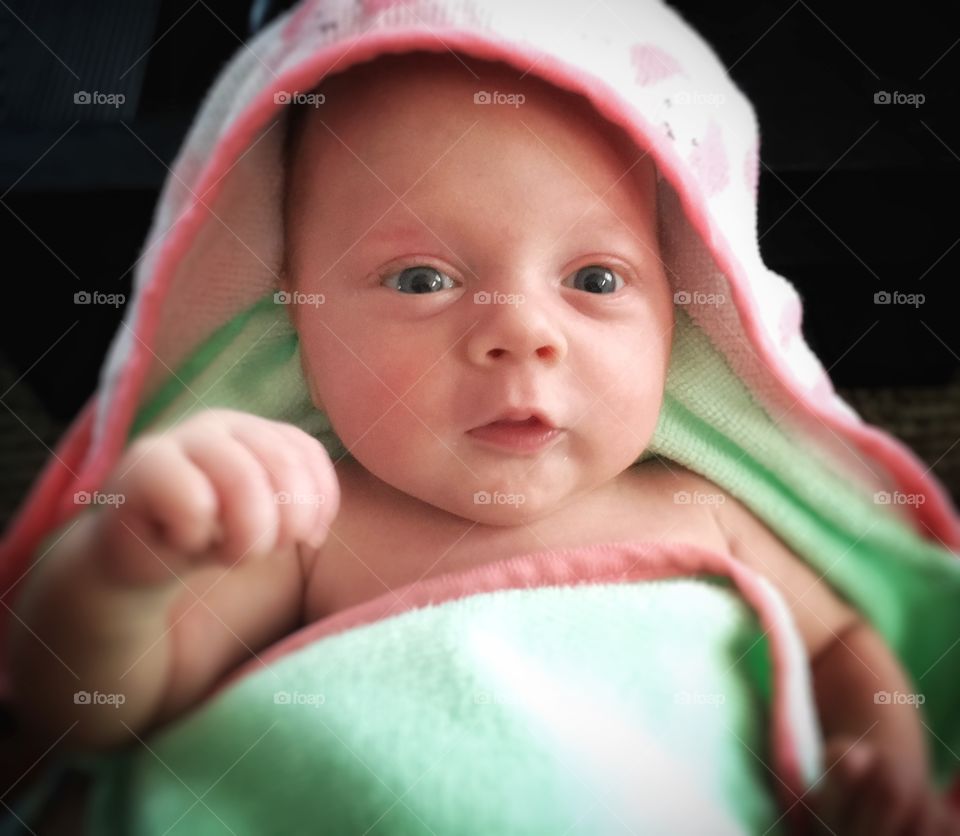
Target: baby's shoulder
x,y
684,487
748,537
820,612
687,487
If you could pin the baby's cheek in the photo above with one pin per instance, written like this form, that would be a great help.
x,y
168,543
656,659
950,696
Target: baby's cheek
x,y
371,397
637,397
391,372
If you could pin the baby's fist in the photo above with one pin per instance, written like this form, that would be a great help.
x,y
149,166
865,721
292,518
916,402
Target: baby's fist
x,y
223,486
865,791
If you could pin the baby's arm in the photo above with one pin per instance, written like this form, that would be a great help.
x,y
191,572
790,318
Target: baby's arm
x,y
878,777
850,663
143,600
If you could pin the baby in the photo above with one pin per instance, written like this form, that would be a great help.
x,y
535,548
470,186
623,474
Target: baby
x,y
537,369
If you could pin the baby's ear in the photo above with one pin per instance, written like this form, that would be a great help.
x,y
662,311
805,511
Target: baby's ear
x,y
317,402
311,384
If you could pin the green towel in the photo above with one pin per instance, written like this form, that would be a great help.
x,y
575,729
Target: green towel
x,y
522,712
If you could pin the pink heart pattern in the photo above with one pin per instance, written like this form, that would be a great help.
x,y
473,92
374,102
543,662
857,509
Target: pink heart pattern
x,y
709,160
653,64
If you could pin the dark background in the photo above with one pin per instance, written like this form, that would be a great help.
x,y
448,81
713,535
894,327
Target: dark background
x,y
855,197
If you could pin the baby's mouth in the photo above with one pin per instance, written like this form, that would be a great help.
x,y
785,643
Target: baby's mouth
x,y
521,417
531,422
529,435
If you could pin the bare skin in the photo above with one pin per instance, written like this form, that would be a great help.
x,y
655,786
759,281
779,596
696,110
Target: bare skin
x,y
160,597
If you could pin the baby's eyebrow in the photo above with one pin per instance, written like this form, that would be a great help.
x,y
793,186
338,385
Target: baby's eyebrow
x,y
608,227
607,221
398,232
610,230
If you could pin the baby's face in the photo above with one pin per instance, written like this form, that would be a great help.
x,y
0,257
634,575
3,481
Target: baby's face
x,y
449,240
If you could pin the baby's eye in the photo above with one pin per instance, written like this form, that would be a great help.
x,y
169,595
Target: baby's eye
x,y
419,279
596,279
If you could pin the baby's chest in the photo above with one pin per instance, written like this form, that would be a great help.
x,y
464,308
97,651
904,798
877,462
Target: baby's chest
x,y
373,550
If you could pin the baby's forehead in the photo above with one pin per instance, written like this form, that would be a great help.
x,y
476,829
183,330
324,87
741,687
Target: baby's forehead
x,y
457,102
401,141
441,73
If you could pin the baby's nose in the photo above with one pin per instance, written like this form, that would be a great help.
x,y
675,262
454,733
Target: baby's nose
x,y
514,331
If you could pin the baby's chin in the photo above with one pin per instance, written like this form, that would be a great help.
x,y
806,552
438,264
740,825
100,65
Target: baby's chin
x,y
506,516
507,508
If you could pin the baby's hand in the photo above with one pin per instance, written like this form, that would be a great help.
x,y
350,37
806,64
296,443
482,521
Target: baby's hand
x,y
223,486
865,792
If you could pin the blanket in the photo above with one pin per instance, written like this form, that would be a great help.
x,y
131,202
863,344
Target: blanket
x,y
535,695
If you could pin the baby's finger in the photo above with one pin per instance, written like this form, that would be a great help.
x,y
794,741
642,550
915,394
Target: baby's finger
x,y
326,485
921,820
169,509
949,818
248,513
823,802
886,803
830,788
293,488
852,788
